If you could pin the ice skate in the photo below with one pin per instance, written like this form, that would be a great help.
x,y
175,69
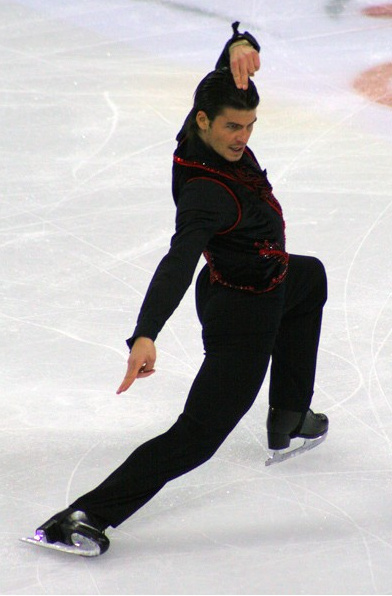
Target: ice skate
x,y
285,425
71,532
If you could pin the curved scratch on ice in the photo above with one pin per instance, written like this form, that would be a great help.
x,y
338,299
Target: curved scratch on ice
x,y
70,480
111,132
348,276
373,373
62,332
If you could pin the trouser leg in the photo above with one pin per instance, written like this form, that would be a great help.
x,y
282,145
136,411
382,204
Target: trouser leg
x,y
205,423
294,355
237,357
183,447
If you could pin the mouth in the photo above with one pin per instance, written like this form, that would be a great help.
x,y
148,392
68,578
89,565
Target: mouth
x,y
237,150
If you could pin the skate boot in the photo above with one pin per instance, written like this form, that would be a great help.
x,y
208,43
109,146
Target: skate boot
x,y
284,425
72,532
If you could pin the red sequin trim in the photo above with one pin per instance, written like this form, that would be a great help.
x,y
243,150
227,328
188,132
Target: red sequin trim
x,y
241,175
253,182
268,251
215,276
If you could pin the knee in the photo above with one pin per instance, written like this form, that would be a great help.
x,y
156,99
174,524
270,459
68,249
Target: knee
x,y
318,279
200,438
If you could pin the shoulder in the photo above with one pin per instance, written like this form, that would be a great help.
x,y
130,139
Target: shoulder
x,y
208,194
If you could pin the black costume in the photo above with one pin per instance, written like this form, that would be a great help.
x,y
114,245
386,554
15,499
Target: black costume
x,y
256,304
254,301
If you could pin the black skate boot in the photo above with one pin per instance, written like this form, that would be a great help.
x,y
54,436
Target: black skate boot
x,y
72,532
284,425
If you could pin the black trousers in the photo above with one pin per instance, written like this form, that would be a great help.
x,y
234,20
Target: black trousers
x,y
242,332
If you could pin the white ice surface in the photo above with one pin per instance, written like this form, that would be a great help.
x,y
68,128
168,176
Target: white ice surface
x,y
92,95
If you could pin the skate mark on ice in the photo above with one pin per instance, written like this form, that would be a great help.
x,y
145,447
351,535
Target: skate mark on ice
x,y
353,392
116,259
127,157
66,334
319,138
373,372
76,467
190,362
363,532
106,271
342,32
348,279
158,113
114,124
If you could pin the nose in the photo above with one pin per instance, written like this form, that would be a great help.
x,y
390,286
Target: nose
x,y
243,136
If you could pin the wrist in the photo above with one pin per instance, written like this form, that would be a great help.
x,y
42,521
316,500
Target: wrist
x,y
245,36
132,340
240,42
143,339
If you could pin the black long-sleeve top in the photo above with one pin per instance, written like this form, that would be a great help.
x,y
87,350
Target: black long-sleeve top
x,y
202,211
226,211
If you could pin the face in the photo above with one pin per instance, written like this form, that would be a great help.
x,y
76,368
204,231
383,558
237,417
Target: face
x,y
228,133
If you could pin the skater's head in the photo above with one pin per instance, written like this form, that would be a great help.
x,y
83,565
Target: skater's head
x,y
219,107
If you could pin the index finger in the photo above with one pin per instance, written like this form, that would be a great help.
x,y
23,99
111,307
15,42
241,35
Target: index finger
x,y
127,382
256,60
133,370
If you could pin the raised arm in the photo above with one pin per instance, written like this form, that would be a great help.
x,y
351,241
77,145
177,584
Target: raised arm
x,y
241,55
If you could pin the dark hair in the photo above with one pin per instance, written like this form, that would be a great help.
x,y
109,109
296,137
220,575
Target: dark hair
x,y
213,94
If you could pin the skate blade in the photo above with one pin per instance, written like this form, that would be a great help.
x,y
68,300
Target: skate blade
x,y
278,457
82,547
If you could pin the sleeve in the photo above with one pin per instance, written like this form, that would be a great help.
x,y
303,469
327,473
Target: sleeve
x,y
224,58
204,208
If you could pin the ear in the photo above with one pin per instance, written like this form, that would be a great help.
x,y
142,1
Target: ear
x,y
202,120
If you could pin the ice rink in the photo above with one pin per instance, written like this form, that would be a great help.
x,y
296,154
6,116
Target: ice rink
x,y
93,93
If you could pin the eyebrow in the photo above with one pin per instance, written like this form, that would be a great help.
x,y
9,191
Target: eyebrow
x,y
240,125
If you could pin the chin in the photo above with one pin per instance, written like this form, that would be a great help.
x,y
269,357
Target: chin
x,y
234,157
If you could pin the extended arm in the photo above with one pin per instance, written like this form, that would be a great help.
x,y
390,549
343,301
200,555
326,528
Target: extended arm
x,y
241,54
204,208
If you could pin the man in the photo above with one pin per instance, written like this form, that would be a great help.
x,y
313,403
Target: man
x,y
255,302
